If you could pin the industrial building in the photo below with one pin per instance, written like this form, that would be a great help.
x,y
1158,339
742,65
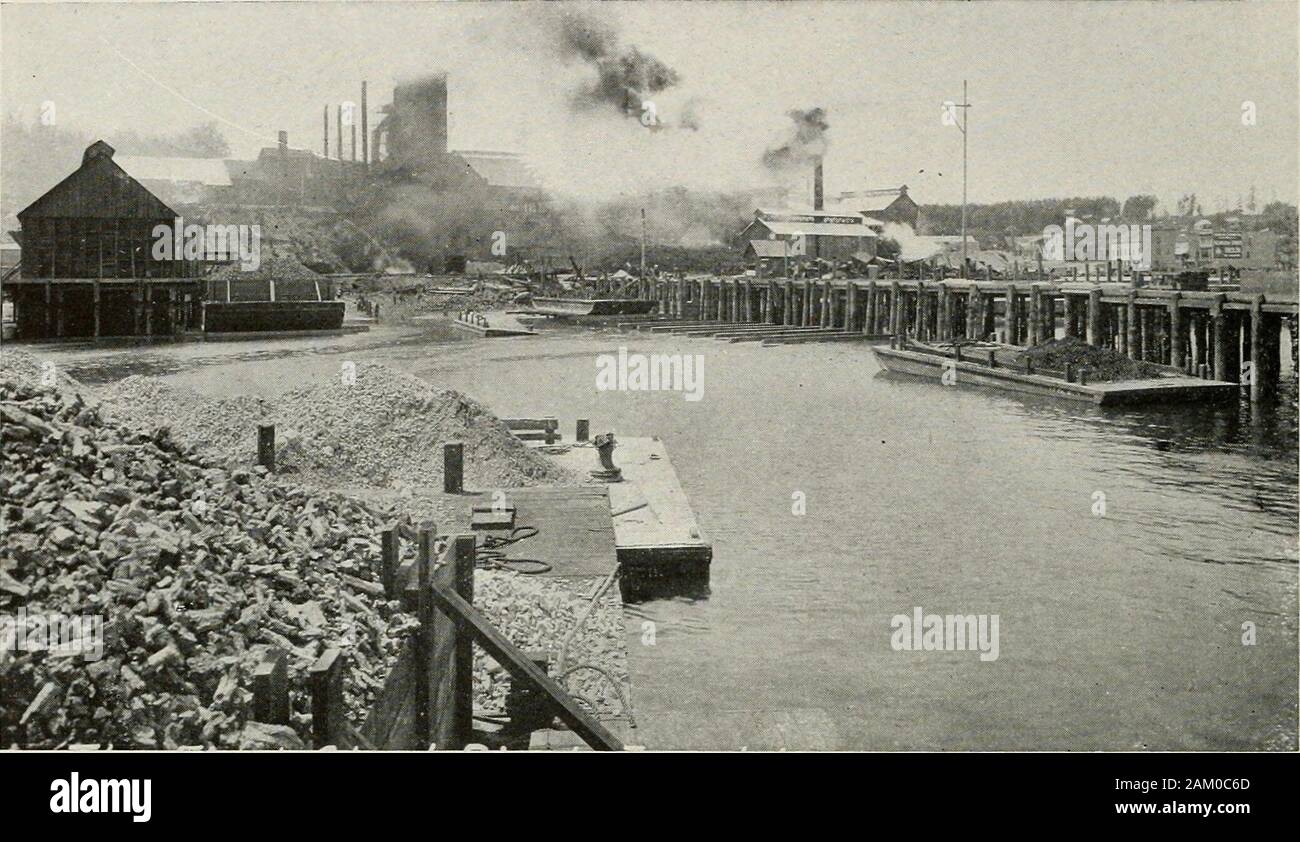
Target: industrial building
x,y
87,266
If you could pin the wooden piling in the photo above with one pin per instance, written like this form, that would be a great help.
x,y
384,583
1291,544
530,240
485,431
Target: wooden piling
x,y
1009,321
1035,318
582,431
271,688
1094,317
453,468
1257,372
329,723
869,317
266,446
850,305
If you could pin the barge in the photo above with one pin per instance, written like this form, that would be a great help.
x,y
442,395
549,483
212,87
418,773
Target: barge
x,y
967,368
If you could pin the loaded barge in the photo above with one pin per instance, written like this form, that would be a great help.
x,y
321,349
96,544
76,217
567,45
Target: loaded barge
x,y
977,363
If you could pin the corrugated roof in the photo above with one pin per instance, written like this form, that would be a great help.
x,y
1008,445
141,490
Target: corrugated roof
x,y
820,229
210,172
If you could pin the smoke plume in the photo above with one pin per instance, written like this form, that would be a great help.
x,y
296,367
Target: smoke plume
x,y
625,76
807,143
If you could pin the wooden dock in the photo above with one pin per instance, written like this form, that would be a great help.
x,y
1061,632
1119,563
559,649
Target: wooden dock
x,y
1236,335
655,531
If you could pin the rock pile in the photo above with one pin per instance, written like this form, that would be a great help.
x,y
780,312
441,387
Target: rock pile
x,y
371,426
537,614
194,569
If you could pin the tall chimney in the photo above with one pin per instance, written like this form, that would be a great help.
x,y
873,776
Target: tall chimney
x,y
325,136
365,126
338,114
818,199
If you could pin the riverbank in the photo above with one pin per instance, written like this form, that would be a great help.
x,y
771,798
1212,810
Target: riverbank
x,y
1119,631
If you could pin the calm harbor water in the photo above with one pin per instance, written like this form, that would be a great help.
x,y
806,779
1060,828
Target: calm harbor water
x,y
1117,631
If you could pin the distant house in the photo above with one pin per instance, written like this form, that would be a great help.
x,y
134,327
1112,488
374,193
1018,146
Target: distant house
x,y
891,204
825,235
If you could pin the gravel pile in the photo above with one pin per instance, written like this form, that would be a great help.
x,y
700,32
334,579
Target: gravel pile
x,y
1104,365
383,428
194,569
24,368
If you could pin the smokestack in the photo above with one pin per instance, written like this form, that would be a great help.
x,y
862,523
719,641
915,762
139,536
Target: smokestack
x,y
353,129
818,199
365,126
325,136
338,115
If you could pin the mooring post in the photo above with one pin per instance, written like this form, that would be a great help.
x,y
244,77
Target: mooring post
x,y
1131,326
328,715
266,446
583,430
1071,313
453,467
850,304
807,308
271,688
1094,317
869,315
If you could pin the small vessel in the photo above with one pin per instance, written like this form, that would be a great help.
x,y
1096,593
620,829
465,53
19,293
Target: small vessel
x,y
592,306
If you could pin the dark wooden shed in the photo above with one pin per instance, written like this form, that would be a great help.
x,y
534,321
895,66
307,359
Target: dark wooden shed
x,y
88,265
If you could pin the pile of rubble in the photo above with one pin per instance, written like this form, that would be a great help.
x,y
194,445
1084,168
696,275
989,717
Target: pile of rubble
x,y
194,570
370,425
540,614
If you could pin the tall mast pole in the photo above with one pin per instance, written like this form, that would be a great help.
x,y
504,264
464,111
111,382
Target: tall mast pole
x,y
965,109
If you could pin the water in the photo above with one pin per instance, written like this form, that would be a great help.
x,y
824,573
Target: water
x,y
1121,631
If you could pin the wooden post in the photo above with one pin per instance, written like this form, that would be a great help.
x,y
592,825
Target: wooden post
x,y
95,292
583,430
1094,317
869,320
807,303
1130,323
271,688
328,714
453,468
1010,327
895,310
769,304
1176,332
266,446
422,641
1035,317
390,557
1257,372
456,730
850,305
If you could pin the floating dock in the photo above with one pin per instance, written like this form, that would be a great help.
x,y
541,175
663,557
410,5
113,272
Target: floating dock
x,y
1170,388
658,541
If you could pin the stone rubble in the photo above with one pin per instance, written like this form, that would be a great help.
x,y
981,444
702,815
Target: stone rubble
x,y
194,568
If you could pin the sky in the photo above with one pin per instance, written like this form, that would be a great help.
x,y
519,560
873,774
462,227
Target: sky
x,y
1068,99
